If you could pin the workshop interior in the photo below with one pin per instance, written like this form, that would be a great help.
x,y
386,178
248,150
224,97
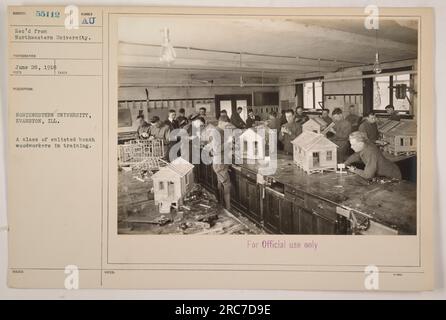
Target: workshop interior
x,y
330,104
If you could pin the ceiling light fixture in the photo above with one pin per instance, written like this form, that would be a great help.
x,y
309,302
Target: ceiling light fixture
x,y
168,54
377,65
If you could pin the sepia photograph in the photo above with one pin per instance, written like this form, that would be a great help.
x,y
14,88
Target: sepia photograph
x,y
281,125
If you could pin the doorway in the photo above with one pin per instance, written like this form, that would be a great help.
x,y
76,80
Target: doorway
x,y
230,103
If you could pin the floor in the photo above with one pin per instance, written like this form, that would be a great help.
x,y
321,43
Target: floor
x,y
200,214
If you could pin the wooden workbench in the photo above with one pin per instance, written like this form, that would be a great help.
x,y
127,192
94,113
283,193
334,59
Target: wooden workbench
x,y
293,202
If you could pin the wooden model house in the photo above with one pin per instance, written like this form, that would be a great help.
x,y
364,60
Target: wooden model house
x,y
316,125
252,144
386,125
171,183
401,139
313,152
137,151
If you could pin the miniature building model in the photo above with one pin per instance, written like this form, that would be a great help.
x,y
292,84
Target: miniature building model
x,y
316,125
401,139
252,144
171,183
314,153
387,125
137,151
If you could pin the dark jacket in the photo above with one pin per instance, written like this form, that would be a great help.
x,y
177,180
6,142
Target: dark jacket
x,y
375,163
301,119
172,124
182,121
237,121
395,117
327,120
251,121
343,128
355,120
286,138
144,128
370,129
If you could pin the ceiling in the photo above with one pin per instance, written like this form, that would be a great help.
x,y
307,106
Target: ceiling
x,y
258,49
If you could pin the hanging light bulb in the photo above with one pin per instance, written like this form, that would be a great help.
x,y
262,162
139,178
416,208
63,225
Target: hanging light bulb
x,y
168,54
377,66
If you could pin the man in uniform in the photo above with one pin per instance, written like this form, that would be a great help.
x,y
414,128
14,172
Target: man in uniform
x,y
341,130
370,127
392,114
289,131
300,116
326,116
219,166
143,127
181,119
236,120
353,118
368,153
159,130
251,119
171,121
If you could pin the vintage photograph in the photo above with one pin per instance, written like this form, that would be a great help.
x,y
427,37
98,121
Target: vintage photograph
x,y
253,125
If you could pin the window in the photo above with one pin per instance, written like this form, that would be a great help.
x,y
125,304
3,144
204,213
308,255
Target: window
x,y
411,141
315,159
384,93
402,141
312,95
329,155
161,185
256,148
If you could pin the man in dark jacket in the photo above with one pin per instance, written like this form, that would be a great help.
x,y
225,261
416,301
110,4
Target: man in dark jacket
x,y
326,116
251,119
392,114
289,132
341,130
370,127
143,128
368,153
353,118
236,120
181,118
300,116
171,121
